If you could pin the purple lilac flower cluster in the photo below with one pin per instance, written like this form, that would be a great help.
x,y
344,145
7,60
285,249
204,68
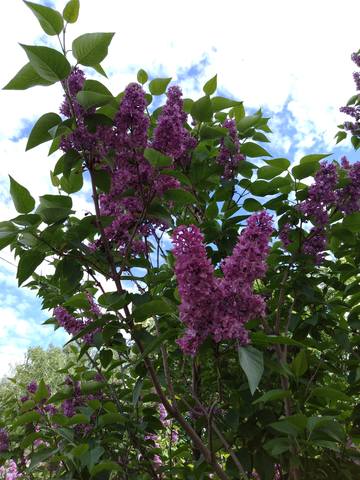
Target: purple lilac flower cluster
x,y
9,471
74,325
230,159
170,135
322,195
220,307
4,440
354,112
348,200
133,173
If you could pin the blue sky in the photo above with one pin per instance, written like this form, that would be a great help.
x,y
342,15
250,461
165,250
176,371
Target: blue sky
x,y
291,58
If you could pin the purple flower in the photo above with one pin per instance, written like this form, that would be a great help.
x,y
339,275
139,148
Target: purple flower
x,y
284,234
230,158
220,307
355,57
197,286
348,200
170,135
356,76
32,387
4,440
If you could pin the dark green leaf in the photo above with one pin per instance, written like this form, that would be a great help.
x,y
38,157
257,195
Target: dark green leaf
x,y
40,131
158,86
71,11
272,395
253,150
252,205
220,103
50,20
25,418
111,419
106,357
300,364
27,77
156,158
210,86
72,183
91,48
23,201
315,157
210,133
28,263
202,110
269,172
90,99
8,233
330,394
179,197
137,390
47,62
105,466
305,170
149,309
252,362
352,222
277,446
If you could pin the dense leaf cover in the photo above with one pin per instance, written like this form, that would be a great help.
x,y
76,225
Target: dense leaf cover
x,y
211,293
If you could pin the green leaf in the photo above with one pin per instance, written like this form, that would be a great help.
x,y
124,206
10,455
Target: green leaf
x,y
72,183
210,133
340,136
79,450
142,76
71,11
212,211
352,222
149,309
155,344
272,395
106,465
315,157
330,394
8,233
91,48
28,263
102,180
78,419
156,158
25,418
106,357
137,390
277,446
280,163
305,170
252,362
220,103
23,201
114,300
248,122
254,150
90,99
47,62
40,131
50,20
252,205
158,86
268,172
179,197
259,338
27,77
111,419
41,393
210,86
54,208
202,110
300,364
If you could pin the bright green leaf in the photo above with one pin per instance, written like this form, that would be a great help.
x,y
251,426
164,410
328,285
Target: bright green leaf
x,y
210,86
23,201
91,48
47,62
71,11
252,362
50,20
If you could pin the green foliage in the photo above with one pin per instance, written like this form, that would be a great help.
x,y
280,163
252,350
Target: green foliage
x,y
288,400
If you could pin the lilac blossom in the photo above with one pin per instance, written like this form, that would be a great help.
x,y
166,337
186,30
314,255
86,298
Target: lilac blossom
x,y
32,387
355,57
348,200
170,135
4,440
9,471
230,158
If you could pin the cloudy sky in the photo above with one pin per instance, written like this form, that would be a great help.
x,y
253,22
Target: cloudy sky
x,y
289,57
